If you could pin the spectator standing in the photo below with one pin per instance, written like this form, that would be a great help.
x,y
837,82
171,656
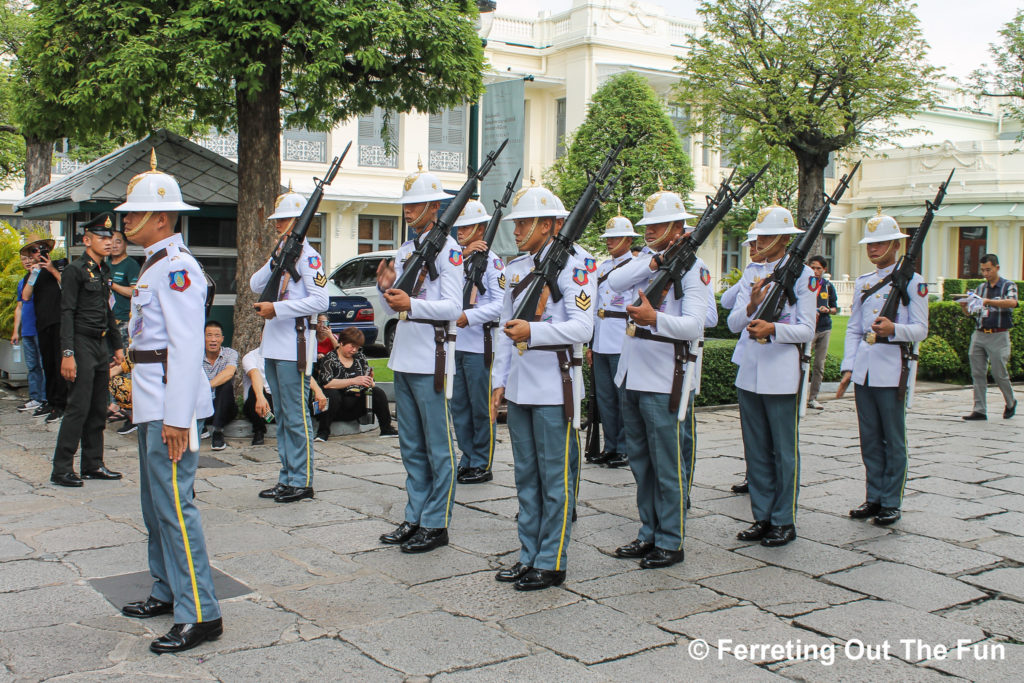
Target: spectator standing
x,y
346,376
827,305
25,334
45,295
259,404
219,364
992,305
124,273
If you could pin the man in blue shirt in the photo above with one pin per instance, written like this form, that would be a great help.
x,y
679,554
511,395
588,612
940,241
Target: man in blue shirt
x,y
991,305
826,303
25,332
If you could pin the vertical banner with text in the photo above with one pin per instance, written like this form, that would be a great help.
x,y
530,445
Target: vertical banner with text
x,y
503,116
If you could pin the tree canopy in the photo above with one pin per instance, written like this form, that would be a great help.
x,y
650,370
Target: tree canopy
x,y
1004,78
625,103
815,76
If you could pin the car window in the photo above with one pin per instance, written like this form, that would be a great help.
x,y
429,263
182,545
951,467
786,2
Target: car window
x,y
369,274
348,275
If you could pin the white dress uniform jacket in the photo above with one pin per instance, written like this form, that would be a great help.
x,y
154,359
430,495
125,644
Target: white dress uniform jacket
x,y
168,309
487,308
880,364
302,299
534,377
774,368
749,273
648,365
439,299
609,332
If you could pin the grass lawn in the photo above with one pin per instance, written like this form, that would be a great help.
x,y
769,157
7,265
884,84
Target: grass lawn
x,y
838,339
381,371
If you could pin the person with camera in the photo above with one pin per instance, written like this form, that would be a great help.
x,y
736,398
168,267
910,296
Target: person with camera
x,y
346,376
25,334
44,289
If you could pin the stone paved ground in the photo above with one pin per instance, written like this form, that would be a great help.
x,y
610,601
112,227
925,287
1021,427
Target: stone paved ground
x,y
329,603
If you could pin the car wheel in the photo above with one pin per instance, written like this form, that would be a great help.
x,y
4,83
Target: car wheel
x,y
389,336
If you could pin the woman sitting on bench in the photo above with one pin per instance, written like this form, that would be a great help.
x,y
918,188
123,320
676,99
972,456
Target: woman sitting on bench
x,y
345,376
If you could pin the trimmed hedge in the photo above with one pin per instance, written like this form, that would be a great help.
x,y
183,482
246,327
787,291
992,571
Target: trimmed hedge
x,y
938,361
947,321
958,286
721,330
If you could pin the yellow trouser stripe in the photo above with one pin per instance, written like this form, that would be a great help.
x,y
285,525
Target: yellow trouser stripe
x,y
565,496
693,449
579,464
796,452
184,537
490,423
451,453
305,424
682,491
906,455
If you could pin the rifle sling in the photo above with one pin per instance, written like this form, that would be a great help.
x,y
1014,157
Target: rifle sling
x,y
566,361
441,337
682,357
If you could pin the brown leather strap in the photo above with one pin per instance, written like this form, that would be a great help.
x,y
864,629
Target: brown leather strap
x,y
300,340
602,278
566,361
605,315
682,356
419,282
523,284
906,355
151,356
441,335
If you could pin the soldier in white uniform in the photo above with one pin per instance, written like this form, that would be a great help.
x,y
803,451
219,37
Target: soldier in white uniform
x,y
474,352
609,331
768,384
873,361
538,384
659,342
418,360
169,393
289,354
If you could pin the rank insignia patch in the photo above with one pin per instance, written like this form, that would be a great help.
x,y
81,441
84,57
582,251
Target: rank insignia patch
x,y
314,262
591,264
922,289
320,280
515,279
179,280
501,281
579,276
499,264
583,301
455,257
705,275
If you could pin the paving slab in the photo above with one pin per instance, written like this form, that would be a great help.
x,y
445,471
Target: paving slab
x,y
927,553
541,668
304,661
783,592
676,663
806,556
998,617
479,596
1007,580
907,585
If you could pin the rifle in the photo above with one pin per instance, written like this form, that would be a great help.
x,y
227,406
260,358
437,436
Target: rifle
x,y
433,242
284,262
476,263
900,278
788,272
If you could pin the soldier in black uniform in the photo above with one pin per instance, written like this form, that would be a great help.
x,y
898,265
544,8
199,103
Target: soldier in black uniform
x,y
88,337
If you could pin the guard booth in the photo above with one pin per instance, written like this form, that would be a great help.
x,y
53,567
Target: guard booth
x,y
207,179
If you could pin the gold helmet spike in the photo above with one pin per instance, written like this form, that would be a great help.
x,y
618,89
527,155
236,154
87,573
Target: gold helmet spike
x,y
878,211
533,178
661,185
290,185
419,163
620,209
152,158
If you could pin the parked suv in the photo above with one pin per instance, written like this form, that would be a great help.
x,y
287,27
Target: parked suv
x,y
358,277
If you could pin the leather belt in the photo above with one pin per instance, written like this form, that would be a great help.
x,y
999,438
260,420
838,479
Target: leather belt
x,y
95,334
137,356
994,331
566,361
602,313
682,357
441,335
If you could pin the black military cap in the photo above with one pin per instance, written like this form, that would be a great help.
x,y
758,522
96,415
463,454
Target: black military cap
x,y
102,225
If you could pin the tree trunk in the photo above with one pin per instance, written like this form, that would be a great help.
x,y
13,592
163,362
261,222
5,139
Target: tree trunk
x,y
38,163
259,181
811,186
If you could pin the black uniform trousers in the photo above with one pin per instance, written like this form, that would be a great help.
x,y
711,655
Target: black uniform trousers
x,y
50,351
345,405
86,415
224,407
259,424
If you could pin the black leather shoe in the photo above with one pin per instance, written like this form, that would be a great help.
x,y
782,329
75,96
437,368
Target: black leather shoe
x,y
402,533
601,457
1010,411
101,473
293,494
975,416
513,573
475,475
273,493
257,438
779,536
616,460
463,469
69,479
741,488
887,516
635,549
866,509
425,540
659,557
539,579
144,609
183,637
756,532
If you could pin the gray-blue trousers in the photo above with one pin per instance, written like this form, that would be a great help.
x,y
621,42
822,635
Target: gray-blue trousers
x,y
770,445
295,430
609,399
471,399
177,548
546,453
425,437
662,454
882,421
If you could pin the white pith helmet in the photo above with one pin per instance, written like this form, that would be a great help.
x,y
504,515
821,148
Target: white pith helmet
x,y
882,228
619,226
288,205
664,207
422,187
536,202
774,220
154,190
473,213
